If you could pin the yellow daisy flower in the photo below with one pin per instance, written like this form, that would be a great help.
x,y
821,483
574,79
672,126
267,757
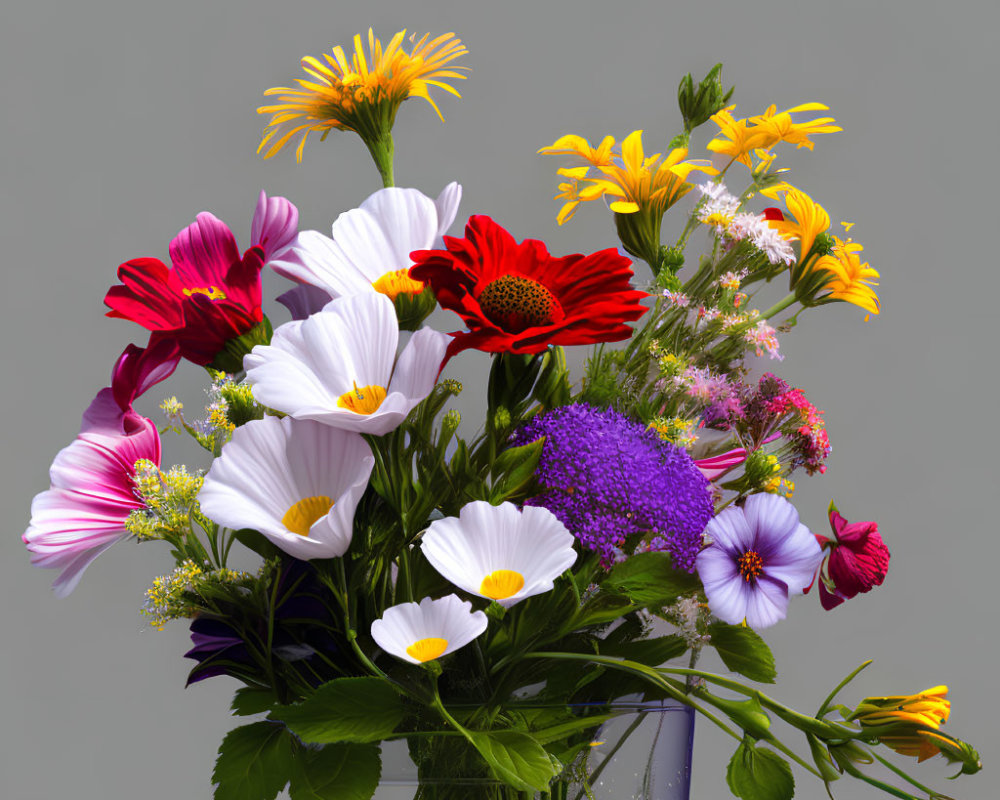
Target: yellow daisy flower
x,y
908,721
361,94
808,218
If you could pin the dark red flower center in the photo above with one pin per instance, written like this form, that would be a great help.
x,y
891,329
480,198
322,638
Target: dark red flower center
x,y
514,303
750,565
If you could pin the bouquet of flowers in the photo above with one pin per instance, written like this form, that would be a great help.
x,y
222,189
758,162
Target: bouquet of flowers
x,y
496,603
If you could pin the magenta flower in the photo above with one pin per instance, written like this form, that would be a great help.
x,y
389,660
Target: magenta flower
x,y
857,562
83,513
760,555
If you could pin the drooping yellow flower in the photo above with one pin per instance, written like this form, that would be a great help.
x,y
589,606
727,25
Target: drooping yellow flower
x,y
779,127
361,94
807,217
852,280
907,722
739,137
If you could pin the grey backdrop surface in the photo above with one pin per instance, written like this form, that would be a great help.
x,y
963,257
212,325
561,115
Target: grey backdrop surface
x,y
123,120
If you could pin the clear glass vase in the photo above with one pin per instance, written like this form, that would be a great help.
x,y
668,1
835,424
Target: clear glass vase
x,y
643,752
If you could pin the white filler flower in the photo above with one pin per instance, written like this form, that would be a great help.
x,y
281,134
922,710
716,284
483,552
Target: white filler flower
x,y
339,366
297,482
419,633
499,552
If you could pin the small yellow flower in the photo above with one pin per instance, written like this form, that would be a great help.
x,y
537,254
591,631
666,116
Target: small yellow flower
x,y
632,181
739,137
852,280
362,94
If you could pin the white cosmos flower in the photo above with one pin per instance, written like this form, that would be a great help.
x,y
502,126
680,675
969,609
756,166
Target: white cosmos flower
x,y
339,366
419,633
297,482
499,552
371,245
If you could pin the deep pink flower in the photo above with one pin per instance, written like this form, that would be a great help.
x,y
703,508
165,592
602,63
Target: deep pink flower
x,y
211,295
857,560
83,513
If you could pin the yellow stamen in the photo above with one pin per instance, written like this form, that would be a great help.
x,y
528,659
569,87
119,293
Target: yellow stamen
x,y
301,516
211,292
397,282
363,400
427,649
501,584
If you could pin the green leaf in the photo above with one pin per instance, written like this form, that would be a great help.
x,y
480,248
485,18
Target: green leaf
x,y
649,579
743,651
248,701
336,772
515,470
254,763
517,759
603,607
758,774
345,710
652,652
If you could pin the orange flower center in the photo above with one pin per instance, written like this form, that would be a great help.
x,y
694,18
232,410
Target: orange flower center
x,y
501,584
515,303
750,564
301,516
397,282
362,399
427,649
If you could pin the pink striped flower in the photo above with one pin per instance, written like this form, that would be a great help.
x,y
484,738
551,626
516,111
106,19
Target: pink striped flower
x,y
83,513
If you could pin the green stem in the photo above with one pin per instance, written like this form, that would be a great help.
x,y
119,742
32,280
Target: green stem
x,y
349,622
839,686
381,150
778,307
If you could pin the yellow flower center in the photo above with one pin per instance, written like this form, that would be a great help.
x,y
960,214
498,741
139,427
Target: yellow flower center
x,y
501,584
515,303
397,282
301,516
363,399
427,649
211,292
750,565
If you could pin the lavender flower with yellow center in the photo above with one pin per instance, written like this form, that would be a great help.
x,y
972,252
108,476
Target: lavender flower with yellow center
x,y
361,94
609,479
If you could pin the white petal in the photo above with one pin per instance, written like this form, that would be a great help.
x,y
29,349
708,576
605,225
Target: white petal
x,y
448,618
447,207
418,365
318,260
379,236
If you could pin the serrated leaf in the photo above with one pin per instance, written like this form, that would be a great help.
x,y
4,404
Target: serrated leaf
x,y
248,701
758,774
254,763
345,710
649,579
516,758
342,771
743,651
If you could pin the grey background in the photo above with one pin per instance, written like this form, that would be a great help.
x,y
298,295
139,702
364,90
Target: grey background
x,y
123,120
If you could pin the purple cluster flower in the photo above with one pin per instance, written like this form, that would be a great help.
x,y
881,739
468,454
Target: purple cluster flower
x,y
607,478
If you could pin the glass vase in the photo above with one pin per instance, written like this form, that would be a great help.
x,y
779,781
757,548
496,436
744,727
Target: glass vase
x,y
642,752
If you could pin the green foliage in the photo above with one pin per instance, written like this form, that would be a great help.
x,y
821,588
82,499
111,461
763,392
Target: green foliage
x,y
516,758
650,580
341,771
254,763
345,710
755,773
249,701
514,472
743,651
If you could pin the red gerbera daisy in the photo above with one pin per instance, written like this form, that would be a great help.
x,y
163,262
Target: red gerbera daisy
x,y
516,298
212,295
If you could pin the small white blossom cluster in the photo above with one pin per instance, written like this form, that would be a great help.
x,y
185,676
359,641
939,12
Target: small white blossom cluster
x,y
765,238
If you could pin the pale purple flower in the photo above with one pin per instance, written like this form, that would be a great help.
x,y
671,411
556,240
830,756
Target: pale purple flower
x,y
760,555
